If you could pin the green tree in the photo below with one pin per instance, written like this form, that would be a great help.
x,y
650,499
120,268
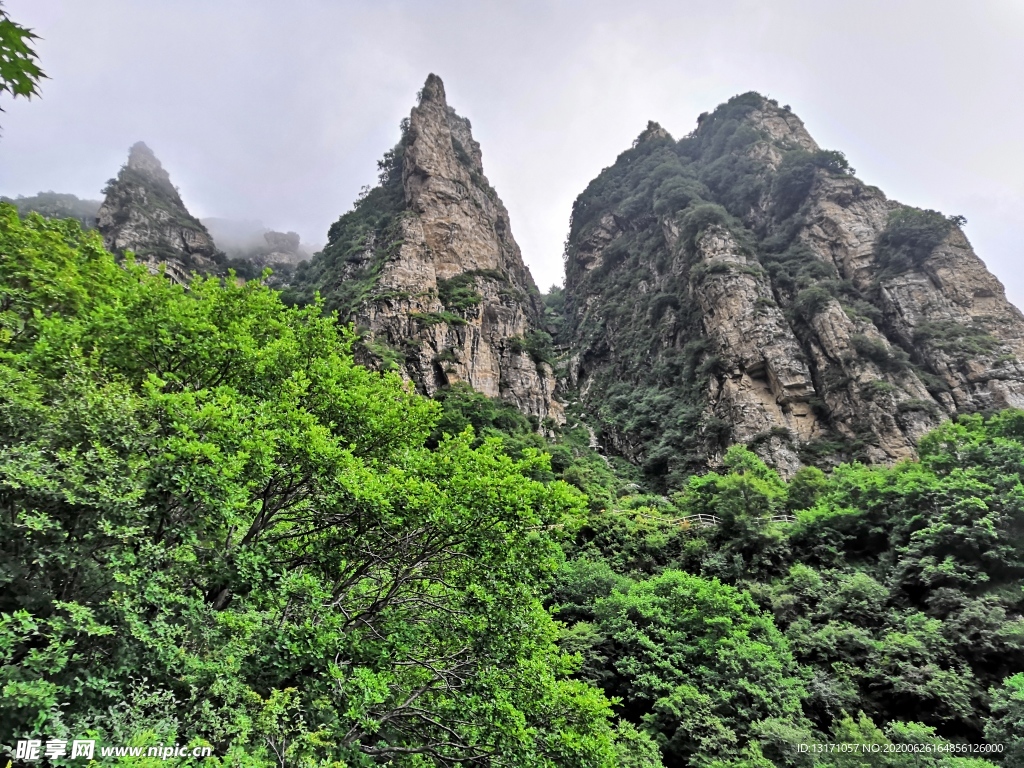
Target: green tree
x,y
1006,726
215,526
744,497
868,746
700,667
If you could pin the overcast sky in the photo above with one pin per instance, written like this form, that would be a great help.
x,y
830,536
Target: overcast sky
x,y
278,111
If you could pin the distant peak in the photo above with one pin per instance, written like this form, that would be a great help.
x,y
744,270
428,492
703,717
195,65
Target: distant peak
x,y
433,90
142,159
651,132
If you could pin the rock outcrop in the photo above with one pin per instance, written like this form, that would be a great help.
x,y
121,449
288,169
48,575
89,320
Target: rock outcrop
x,y
427,267
143,213
742,285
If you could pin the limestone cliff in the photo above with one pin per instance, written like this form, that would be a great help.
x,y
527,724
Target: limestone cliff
x,y
143,213
426,266
742,285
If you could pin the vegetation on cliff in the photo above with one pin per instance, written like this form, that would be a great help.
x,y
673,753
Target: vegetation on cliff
x,y
359,243
647,365
57,205
426,267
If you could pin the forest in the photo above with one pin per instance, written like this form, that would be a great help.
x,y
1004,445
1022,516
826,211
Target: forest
x,y
218,529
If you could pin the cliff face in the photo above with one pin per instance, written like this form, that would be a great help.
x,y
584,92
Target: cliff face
x,y
742,285
143,213
427,267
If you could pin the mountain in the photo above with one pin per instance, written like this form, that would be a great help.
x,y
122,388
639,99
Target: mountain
x,y
741,285
143,212
426,266
57,205
194,476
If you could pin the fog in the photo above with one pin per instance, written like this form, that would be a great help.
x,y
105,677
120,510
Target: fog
x,y
277,113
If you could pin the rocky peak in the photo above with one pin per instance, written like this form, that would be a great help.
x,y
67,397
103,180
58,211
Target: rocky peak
x,y
780,126
434,119
652,132
142,160
427,266
742,285
143,213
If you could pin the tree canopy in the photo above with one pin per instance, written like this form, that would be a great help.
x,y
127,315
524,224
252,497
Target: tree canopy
x,y
215,526
217,529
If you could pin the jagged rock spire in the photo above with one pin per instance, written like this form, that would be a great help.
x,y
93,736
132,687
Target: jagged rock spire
x,y
454,300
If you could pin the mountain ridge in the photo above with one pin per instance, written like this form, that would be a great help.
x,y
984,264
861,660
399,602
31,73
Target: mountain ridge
x,y
739,285
835,307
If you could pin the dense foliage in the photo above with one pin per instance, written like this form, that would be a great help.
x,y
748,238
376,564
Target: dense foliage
x,y
216,528
894,602
910,237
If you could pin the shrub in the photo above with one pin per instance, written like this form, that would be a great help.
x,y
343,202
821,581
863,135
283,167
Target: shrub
x,y
888,358
537,344
677,193
909,238
956,338
811,301
459,293
662,302
446,355
699,217
796,175
737,181
428,319
925,406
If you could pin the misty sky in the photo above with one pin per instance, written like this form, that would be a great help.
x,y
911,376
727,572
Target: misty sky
x,y
279,111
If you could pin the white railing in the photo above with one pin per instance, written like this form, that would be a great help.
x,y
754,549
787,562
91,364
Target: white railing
x,y
701,520
707,521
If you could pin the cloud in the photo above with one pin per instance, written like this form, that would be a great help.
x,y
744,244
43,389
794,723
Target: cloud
x,y
279,113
